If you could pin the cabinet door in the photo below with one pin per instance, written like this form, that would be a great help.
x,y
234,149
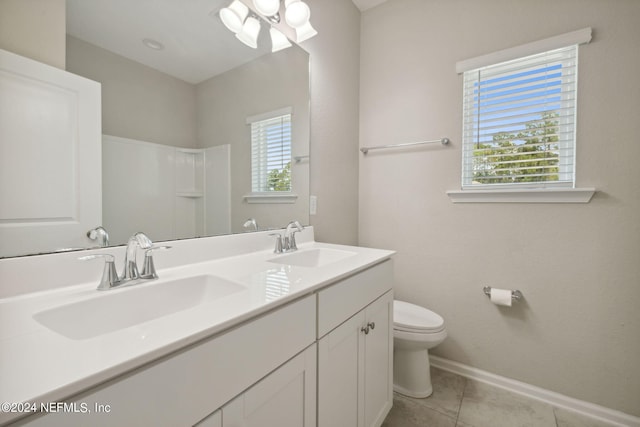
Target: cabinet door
x,y
339,360
285,398
378,361
355,382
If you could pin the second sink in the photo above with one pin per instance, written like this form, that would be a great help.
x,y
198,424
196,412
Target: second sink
x,y
317,257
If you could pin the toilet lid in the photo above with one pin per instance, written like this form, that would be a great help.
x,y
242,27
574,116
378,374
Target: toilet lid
x,y
411,317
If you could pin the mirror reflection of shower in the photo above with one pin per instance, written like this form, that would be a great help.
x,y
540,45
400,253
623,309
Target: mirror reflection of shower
x,y
175,192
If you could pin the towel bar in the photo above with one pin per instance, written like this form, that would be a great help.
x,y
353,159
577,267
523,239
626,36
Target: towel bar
x,y
443,141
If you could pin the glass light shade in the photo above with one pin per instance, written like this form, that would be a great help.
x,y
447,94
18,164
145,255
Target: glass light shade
x,y
305,32
249,33
233,16
278,40
267,7
297,14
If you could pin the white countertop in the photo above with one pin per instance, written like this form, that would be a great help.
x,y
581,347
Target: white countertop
x,y
40,365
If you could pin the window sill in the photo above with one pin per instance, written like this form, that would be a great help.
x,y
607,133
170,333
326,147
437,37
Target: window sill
x,y
547,195
271,198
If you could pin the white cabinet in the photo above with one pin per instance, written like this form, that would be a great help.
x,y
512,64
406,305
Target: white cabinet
x,y
285,398
182,388
339,358
355,359
325,360
377,364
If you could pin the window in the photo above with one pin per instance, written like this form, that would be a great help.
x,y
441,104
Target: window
x,y
519,121
271,152
519,115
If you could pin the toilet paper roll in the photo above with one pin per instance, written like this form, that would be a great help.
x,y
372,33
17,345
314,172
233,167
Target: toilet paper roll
x,y
501,296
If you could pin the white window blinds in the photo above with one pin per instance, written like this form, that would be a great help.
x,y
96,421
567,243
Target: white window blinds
x,y
519,121
271,153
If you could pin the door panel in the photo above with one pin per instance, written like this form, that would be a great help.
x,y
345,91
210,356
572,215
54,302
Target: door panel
x,y
49,120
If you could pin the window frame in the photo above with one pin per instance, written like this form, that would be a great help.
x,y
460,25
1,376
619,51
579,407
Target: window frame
x,y
270,196
494,85
538,192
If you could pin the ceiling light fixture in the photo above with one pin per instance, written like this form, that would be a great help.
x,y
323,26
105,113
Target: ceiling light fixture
x,y
250,31
297,13
267,7
246,26
278,40
234,15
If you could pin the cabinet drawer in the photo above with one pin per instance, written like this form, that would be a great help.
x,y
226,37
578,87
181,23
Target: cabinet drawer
x,y
184,387
338,302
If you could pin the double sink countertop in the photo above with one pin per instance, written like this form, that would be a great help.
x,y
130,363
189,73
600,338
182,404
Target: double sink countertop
x,y
58,342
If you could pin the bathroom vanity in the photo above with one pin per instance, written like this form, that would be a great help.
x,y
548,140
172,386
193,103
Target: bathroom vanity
x,y
237,336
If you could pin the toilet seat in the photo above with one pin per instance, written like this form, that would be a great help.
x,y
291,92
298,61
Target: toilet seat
x,y
413,318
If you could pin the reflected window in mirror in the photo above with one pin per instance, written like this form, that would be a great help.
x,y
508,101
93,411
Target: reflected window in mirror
x,y
271,152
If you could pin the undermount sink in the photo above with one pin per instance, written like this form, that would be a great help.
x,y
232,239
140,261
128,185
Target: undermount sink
x,y
121,308
313,257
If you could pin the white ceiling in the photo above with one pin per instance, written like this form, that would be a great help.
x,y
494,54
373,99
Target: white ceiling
x,y
196,44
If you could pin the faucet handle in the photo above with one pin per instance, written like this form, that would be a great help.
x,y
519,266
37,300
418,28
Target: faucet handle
x,y
278,248
149,269
110,277
140,240
290,236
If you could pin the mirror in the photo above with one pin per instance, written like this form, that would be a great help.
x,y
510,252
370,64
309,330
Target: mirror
x,y
177,91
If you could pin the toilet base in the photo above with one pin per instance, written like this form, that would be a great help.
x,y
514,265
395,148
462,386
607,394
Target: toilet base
x,y
409,393
411,373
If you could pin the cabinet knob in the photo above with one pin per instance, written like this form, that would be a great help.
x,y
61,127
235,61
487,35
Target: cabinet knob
x,y
370,327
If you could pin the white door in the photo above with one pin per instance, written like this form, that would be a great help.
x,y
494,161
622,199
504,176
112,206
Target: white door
x,y
339,360
378,361
285,398
50,157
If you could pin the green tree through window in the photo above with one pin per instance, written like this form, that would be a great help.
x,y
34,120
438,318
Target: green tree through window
x,y
280,179
530,155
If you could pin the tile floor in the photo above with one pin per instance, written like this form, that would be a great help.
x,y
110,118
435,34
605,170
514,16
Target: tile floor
x,y
460,402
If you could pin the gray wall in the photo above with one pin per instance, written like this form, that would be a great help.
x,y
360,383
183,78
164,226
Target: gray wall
x,y
35,29
577,332
224,102
138,102
335,73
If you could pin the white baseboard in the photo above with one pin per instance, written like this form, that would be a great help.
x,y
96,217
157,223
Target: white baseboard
x,y
556,399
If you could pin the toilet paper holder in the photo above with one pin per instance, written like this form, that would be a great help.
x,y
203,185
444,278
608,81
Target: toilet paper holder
x,y
516,295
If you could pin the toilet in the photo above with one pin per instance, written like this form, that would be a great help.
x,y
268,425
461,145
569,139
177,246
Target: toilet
x,y
415,331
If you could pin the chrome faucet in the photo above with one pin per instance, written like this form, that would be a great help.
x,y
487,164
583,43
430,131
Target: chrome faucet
x,y
130,271
289,241
250,225
149,269
130,274
110,277
100,235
